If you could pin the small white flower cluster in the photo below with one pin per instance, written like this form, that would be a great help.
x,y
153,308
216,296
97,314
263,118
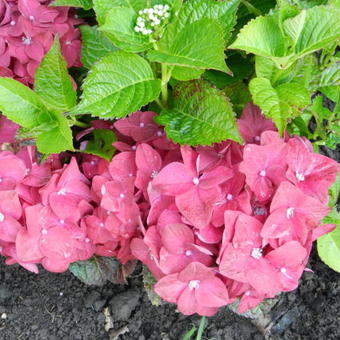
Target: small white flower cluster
x,y
149,18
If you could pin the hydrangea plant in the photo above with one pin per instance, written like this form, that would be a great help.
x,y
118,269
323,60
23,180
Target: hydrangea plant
x,y
164,158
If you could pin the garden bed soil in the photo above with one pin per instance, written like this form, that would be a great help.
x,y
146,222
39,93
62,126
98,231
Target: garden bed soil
x,y
58,306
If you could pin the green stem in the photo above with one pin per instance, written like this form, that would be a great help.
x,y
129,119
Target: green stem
x,y
80,124
201,328
159,103
251,8
164,85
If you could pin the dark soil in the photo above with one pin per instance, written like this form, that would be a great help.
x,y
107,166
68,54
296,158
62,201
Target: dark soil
x,y
50,306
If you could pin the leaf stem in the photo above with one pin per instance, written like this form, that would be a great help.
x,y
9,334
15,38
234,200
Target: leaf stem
x,y
166,75
251,8
80,124
201,328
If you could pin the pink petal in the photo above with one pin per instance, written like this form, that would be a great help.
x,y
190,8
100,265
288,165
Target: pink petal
x,y
169,288
212,293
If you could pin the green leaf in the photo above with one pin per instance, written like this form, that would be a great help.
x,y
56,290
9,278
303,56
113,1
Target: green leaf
x,y
57,139
21,105
183,73
240,66
278,103
334,192
329,248
201,115
86,4
330,76
197,45
97,270
101,144
261,36
53,83
303,71
313,28
194,10
149,282
95,45
239,95
121,32
120,83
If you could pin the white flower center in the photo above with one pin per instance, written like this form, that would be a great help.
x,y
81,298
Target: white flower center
x,y
0,179
263,173
159,133
26,41
61,192
133,147
257,138
103,190
154,173
193,284
141,125
92,162
44,231
87,240
290,212
101,224
196,181
61,221
299,176
12,23
2,217
188,253
68,42
256,253
31,17
283,270
121,195
229,197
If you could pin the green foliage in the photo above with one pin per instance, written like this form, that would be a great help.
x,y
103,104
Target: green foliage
x,y
285,39
120,83
95,45
199,44
53,83
86,4
329,247
201,115
121,32
101,144
22,105
280,103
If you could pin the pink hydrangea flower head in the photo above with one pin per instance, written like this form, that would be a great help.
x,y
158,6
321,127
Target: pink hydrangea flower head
x,y
252,123
264,167
12,170
179,249
140,126
310,172
195,289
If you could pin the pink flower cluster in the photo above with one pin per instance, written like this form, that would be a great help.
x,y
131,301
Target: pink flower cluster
x,y
212,224
27,30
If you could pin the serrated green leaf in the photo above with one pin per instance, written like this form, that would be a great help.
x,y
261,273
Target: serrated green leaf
x,y
57,139
95,45
333,140
21,105
194,10
201,115
334,192
183,73
313,28
322,113
329,248
95,271
86,4
101,144
52,81
265,96
303,71
120,83
197,45
121,32
294,95
261,36
330,76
